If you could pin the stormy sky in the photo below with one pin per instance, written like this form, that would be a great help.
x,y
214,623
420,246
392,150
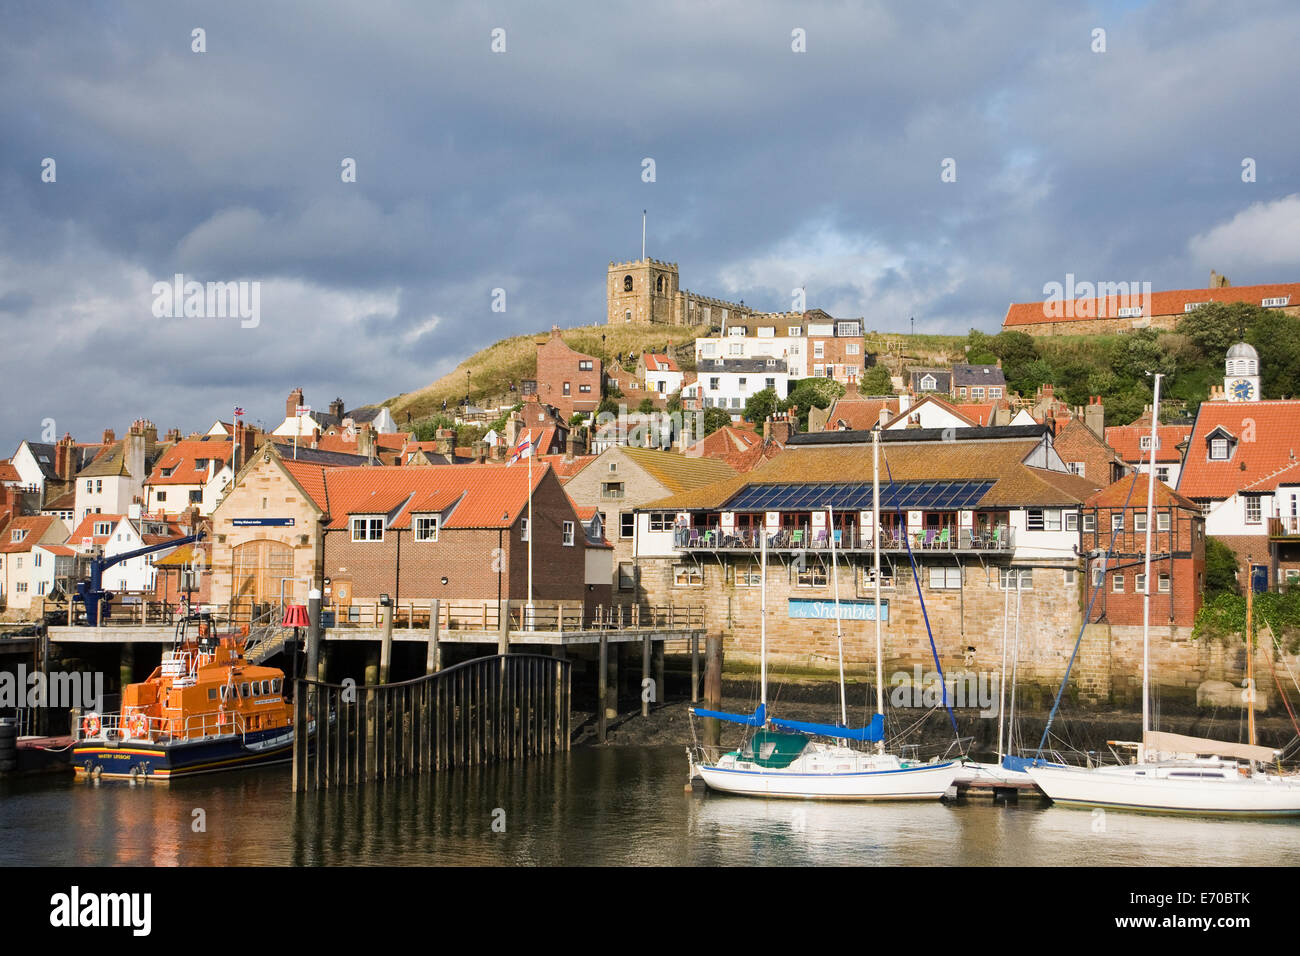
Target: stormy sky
x,y
523,170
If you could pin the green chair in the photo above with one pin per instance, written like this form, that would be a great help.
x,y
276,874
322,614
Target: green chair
x,y
944,537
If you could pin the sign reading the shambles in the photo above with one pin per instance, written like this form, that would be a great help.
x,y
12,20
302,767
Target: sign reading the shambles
x,y
262,522
849,610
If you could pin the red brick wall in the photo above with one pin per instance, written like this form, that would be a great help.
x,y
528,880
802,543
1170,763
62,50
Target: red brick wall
x,y
557,364
836,353
468,558
1186,540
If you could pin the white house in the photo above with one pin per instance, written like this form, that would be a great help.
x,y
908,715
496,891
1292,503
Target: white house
x,y
26,572
117,534
317,419
660,374
779,337
189,474
115,479
729,383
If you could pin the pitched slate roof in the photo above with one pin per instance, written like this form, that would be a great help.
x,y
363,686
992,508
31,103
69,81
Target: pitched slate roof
x,y
1267,442
977,375
1002,461
109,463
1161,303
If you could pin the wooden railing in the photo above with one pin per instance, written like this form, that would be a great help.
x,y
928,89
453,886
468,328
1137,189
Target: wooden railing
x,y
545,615
494,708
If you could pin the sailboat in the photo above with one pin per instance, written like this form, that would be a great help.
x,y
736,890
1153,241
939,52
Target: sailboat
x,y
790,758
1174,773
1008,771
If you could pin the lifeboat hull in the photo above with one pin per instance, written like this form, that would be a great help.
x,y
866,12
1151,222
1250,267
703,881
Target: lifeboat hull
x,y
166,760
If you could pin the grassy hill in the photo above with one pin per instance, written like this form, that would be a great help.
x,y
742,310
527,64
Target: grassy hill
x,y
493,369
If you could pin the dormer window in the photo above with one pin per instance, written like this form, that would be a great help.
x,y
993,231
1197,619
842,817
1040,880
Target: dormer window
x,y
1218,449
18,534
1144,442
1276,302
367,528
1220,444
928,383
103,529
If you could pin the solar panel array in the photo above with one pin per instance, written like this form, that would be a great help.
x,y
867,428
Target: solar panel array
x,y
856,496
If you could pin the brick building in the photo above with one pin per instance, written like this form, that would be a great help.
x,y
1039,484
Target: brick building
x,y
1086,454
567,379
359,532
1113,539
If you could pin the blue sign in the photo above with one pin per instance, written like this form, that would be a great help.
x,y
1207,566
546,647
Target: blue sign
x,y
262,522
849,610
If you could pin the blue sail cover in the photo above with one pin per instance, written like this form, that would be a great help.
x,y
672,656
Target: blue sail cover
x,y
758,720
872,732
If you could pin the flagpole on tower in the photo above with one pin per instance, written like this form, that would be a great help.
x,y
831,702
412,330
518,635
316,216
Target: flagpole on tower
x,y
642,233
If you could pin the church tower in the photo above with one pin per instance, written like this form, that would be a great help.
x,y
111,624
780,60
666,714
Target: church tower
x,y
1241,374
641,291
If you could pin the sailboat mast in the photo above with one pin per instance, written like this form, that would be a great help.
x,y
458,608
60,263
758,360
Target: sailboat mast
x,y
1002,681
839,633
875,533
1146,564
762,620
1250,654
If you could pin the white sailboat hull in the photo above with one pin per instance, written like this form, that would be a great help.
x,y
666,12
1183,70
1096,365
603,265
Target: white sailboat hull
x,y
972,773
1207,787
827,775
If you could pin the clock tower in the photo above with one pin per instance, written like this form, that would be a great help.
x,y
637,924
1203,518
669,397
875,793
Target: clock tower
x,y
1241,374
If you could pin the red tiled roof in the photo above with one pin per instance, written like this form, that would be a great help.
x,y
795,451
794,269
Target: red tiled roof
x,y
1268,442
1161,303
859,414
182,456
660,363
86,528
60,549
8,472
481,494
565,470
1127,441
390,441
1133,489
36,525
312,478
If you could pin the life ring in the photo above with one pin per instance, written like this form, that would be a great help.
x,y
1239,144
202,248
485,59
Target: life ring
x,y
139,726
91,725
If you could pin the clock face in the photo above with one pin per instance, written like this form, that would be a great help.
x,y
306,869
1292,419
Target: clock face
x,y
1242,389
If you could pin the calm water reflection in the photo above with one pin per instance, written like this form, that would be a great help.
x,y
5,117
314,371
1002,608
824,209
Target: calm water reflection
x,y
619,806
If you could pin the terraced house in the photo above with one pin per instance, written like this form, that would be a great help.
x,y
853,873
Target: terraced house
x,y
981,514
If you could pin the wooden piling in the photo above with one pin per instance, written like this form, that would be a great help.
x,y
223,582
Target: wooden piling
x,y
713,688
646,647
433,656
695,668
602,689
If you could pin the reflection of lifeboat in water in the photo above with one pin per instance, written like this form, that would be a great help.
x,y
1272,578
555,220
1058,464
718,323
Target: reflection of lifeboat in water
x,y
203,709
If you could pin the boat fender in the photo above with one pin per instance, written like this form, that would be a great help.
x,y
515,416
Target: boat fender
x,y
91,724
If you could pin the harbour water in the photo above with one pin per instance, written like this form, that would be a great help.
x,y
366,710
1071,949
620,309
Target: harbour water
x,y
621,806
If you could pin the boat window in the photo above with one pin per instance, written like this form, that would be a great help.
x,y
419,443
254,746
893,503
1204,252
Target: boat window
x,y
266,687
212,693
243,689
275,686
225,693
766,750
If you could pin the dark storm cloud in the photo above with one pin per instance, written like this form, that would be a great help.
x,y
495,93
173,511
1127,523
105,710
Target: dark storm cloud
x,y
522,171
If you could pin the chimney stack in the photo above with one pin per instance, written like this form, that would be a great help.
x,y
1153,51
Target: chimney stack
x,y
480,452
63,459
173,435
109,436
365,439
570,444
444,440
336,408
1094,416
292,402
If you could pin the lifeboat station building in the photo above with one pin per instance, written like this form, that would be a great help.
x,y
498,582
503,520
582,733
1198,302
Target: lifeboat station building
x,y
989,516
